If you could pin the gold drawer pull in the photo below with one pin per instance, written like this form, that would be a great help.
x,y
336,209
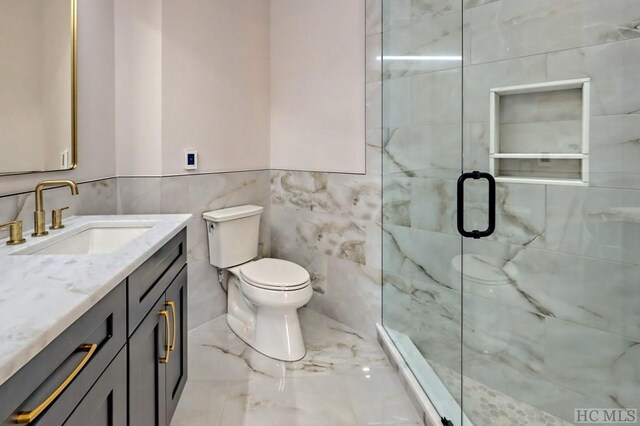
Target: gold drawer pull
x,y
165,314
29,416
172,305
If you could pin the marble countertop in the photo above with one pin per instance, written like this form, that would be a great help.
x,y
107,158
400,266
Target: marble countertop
x,y
42,295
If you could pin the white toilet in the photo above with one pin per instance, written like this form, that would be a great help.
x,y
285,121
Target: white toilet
x,y
263,295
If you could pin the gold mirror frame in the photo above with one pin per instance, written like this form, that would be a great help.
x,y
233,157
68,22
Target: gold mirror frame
x,y
74,84
74,99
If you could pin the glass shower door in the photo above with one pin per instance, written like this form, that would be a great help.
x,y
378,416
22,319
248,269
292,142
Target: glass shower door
x,y
537,323
422,160
551,300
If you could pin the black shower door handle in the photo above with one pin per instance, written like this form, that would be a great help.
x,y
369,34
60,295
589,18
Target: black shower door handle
x,y
492,205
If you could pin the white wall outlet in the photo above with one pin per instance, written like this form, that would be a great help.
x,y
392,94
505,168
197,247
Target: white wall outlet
x,y
190,159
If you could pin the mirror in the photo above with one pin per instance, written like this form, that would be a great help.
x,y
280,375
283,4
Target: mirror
x,y
37,86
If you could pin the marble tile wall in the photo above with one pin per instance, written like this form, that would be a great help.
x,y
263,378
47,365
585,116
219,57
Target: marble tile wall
x,y
330,224
197,194
97,197
564,327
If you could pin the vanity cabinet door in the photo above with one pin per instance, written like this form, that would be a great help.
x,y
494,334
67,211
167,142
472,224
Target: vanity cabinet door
x,y
176,368
147,378
106,403
150,281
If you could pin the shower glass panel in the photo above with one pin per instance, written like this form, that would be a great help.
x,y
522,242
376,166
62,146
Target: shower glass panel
x,y
422,159
542,318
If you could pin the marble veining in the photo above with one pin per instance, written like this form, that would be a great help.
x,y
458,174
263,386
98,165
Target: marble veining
x,y
329,223
531,342
42,295
504,29
344,380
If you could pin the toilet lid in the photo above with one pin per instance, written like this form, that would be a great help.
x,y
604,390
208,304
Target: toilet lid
x,y
275,274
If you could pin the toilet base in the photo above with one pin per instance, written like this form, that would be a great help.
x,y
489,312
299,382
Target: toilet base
x,y
285,346
275,333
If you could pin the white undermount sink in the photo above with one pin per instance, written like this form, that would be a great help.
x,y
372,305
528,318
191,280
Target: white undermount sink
x,y
91,239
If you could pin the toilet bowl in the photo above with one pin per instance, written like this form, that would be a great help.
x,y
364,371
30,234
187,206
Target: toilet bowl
x,y
486,288
263,296
262,306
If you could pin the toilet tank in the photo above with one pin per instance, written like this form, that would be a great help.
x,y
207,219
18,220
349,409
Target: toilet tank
x,y
233,235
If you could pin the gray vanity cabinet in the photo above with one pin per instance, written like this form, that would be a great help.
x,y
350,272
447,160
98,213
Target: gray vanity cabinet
x,y
158,358
158,346
51,385
124,362
106,402
147,284
176,376
147,380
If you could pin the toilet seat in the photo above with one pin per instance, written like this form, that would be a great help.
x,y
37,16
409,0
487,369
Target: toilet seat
x,y
275,274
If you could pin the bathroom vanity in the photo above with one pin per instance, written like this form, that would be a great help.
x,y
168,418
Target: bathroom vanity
x,y
94,323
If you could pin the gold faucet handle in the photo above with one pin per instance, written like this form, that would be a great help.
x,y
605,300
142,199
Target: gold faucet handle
x,y
56,218
15,232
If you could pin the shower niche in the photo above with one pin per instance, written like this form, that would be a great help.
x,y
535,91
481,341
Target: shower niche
x,y
539,133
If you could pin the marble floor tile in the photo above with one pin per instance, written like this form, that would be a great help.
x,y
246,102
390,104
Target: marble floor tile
x,y
202,400
344,380
376,400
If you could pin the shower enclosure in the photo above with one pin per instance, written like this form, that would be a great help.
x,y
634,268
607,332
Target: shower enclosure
x,y
538,318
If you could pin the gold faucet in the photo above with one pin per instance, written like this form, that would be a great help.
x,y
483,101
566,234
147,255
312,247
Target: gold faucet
x,y
39,215
15,232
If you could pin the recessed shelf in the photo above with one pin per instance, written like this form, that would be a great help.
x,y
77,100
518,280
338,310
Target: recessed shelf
x,y
541,156
559,111
539,181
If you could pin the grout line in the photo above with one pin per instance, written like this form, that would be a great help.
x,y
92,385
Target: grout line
x,y
15,194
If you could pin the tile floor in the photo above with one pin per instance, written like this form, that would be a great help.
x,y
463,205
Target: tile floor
x,y
345,380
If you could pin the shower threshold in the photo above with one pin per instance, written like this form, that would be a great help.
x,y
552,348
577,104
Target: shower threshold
x,y
431,385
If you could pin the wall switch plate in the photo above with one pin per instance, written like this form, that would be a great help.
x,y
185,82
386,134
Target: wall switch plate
x,y
64,159
190,159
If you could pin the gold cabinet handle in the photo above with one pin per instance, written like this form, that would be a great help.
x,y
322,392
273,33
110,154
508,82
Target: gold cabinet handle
x,y
165,359
29,416
15,232
172,305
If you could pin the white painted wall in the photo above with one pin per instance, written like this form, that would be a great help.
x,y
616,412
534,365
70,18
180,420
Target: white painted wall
x,y
192,74
96,105
318,85
138,87
21,130
247,83
215,91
